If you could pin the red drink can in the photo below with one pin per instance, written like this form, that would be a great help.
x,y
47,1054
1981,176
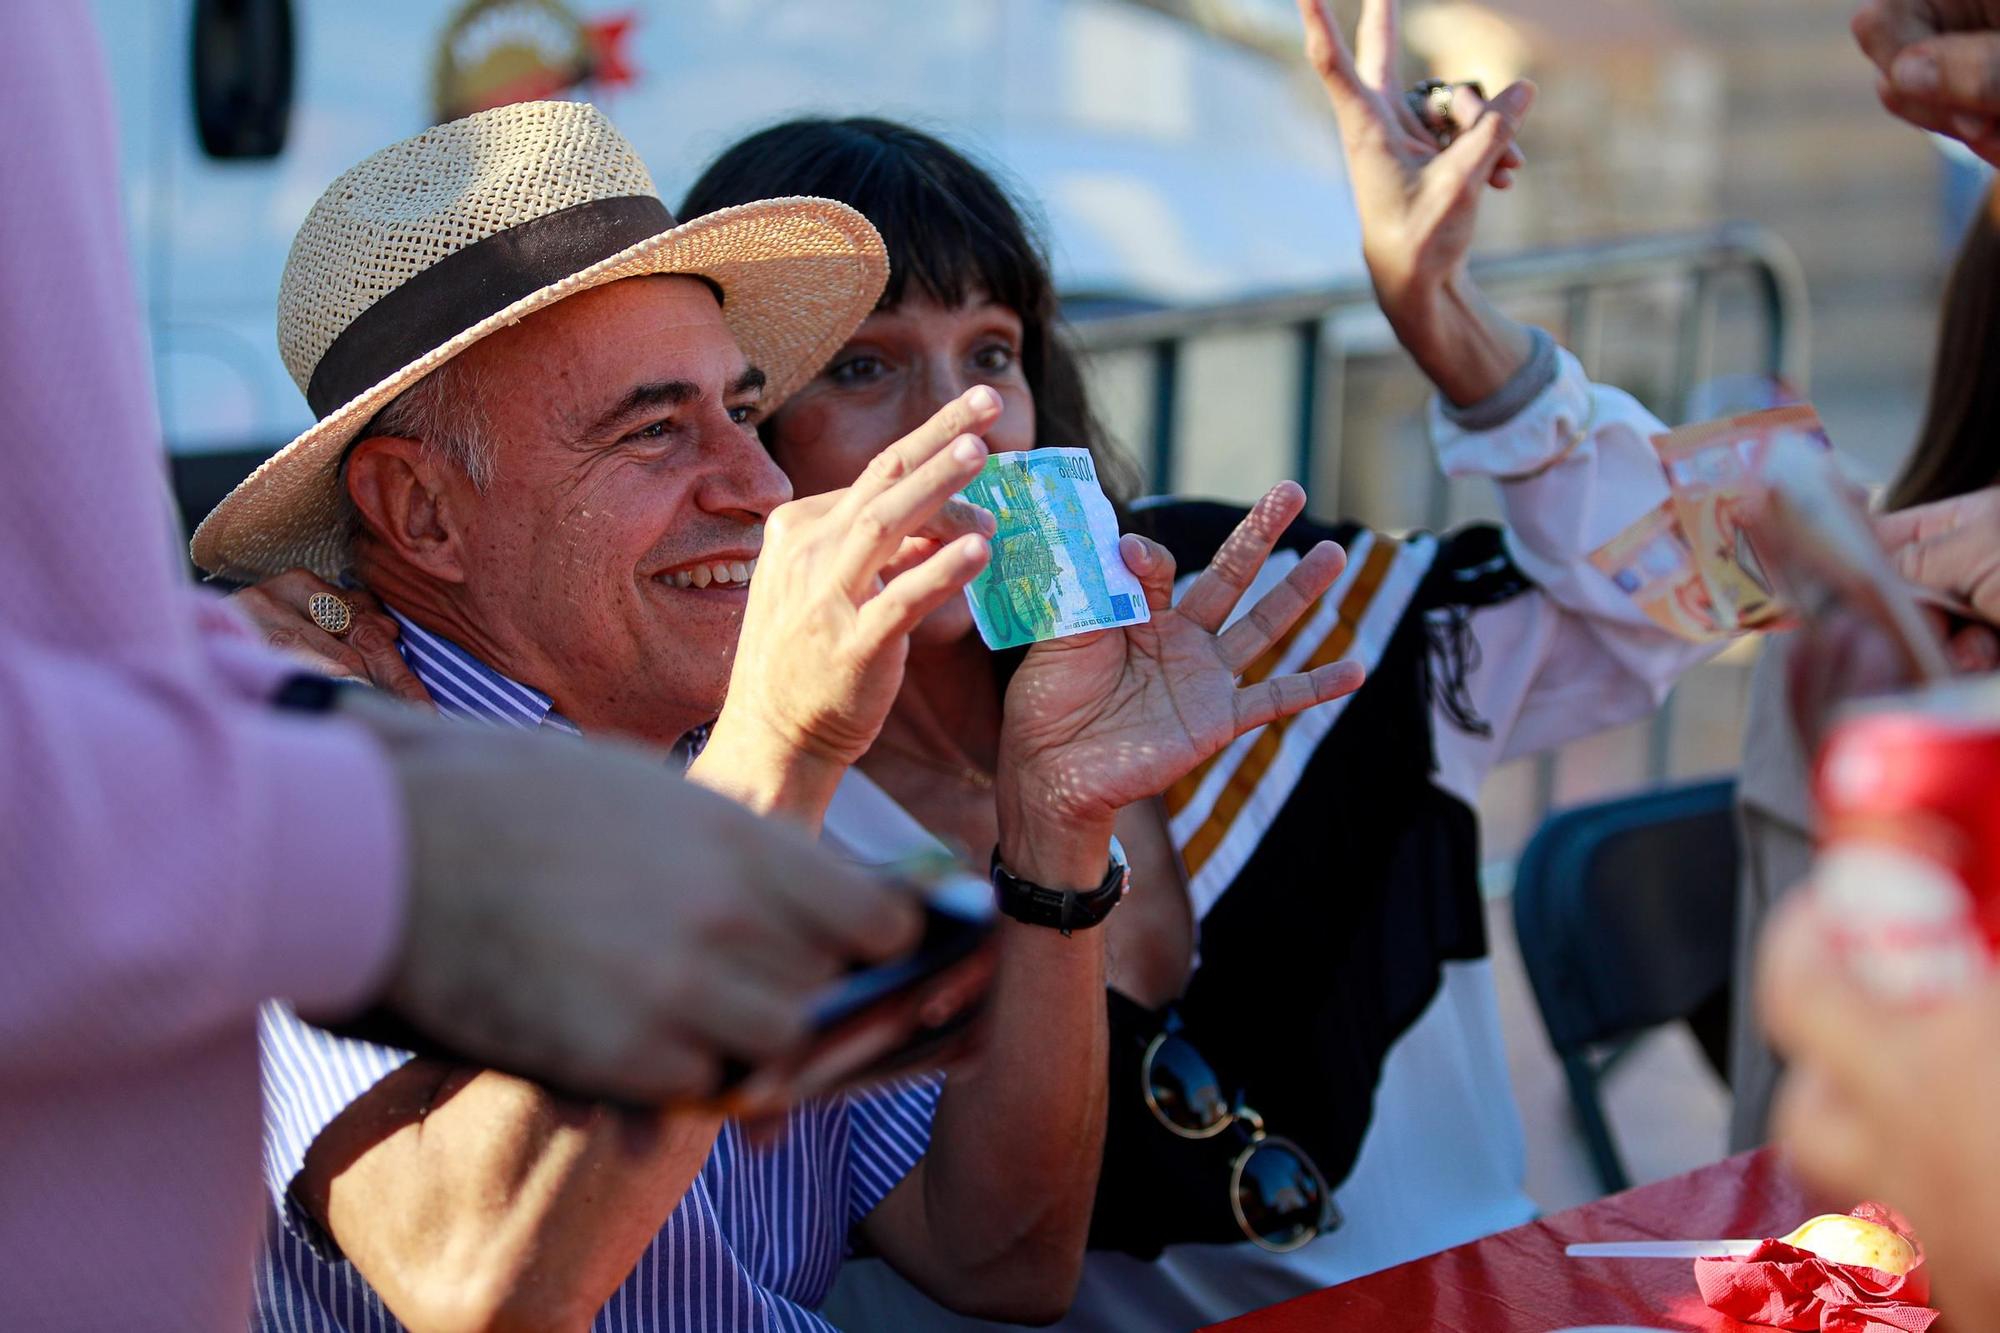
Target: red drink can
x,y
1908,872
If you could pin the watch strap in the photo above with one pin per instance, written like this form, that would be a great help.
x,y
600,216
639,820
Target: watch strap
x,y
1066,910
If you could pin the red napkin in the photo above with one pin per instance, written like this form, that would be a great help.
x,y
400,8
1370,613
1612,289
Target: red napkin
x,y
1787,1287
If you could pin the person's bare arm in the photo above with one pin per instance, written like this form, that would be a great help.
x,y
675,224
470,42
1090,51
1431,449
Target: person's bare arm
x,y
1419,203
992,1222
471,1199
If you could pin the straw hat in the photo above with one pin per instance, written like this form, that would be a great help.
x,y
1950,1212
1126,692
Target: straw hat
x,y
434,243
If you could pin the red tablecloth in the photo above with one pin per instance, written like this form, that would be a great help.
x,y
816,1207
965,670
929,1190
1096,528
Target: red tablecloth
x,y
1520,1281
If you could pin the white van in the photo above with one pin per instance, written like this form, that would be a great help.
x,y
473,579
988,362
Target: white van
x,y
1171,163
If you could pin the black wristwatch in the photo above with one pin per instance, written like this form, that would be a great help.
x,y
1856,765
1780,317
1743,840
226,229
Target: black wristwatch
x,y
1062,909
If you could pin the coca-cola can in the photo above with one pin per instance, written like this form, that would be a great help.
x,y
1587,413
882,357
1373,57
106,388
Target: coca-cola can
x,y
1908,873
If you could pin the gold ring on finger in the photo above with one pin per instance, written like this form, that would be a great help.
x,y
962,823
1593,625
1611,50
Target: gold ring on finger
x,y
330,613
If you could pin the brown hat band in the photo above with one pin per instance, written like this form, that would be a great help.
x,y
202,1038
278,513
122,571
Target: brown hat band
x,y
468,285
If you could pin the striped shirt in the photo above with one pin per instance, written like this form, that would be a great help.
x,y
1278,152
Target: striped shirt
x,y
753,1244
463,686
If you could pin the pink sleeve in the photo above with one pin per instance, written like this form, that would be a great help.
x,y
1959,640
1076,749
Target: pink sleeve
x,y
174,851
174,859
235,657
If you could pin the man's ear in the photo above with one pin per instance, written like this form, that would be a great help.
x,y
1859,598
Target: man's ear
x,y
404,504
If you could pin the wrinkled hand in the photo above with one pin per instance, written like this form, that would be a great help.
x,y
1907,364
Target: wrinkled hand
x,y
1891,1104
367,652
1939,63
579,915
842,579
1098,721
1418,203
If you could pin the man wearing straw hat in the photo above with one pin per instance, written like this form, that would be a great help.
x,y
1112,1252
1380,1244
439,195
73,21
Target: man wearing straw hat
x,y
537,399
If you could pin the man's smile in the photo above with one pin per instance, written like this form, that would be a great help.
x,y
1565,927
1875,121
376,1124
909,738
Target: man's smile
x,y
727,572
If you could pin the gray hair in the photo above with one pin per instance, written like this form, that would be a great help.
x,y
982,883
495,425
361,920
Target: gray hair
x,y
442,412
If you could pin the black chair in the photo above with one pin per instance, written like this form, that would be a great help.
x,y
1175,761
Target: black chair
x,y
1625,911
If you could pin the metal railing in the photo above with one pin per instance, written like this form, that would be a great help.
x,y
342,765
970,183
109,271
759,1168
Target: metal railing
x,y
1684,274
1581,275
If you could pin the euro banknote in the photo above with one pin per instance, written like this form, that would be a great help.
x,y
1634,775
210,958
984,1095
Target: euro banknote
x,y
1690,564
1712,469
1055,570
1651,563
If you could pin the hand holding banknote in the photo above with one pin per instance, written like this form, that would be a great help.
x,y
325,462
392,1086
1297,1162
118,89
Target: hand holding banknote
x,y
1097,721
1690,564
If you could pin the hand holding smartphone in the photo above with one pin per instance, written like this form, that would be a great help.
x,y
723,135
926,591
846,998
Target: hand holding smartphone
x,y
911,1014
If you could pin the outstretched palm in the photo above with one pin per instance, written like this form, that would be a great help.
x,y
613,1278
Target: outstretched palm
x,y
1096,722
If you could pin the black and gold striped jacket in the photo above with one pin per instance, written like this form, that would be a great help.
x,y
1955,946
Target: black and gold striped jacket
x,y
1332,878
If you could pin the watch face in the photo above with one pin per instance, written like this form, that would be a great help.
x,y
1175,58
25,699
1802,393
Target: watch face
x,y
1124,864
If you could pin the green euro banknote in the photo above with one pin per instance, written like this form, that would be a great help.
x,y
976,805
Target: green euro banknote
x,y
1055,570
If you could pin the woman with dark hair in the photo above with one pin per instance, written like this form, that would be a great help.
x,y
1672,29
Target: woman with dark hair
x,y
1955,451
957,243
1955,454
1307,1080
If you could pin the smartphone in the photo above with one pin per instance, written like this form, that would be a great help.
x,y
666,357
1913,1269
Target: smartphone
x,y
873,1024
912,1013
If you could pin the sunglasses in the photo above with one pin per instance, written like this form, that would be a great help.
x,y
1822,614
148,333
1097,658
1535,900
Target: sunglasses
x,y
1280,1198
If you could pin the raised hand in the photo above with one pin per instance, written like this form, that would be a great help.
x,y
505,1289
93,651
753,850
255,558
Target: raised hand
x,y
842,579
1098,721
1419,203
367,652
1939,64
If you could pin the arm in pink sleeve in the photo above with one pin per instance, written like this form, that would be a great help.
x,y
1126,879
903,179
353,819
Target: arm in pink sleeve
x,y
172,851
236,660
87,533
1574,467
173,859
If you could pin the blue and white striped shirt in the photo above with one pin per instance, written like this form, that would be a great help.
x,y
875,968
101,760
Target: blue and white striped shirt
x,y
753,1244
463,686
